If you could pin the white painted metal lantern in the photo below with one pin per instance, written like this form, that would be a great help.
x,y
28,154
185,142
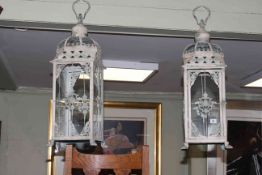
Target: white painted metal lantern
x,y
204,89
78,87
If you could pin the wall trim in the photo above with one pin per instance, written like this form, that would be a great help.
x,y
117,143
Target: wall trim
x,y
128,30
125,95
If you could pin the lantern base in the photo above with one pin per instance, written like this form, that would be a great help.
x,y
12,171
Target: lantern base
x,y
224,146
185,146
83,146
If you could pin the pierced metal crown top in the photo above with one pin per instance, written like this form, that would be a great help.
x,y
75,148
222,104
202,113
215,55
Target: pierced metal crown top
x,y
202,52
78,45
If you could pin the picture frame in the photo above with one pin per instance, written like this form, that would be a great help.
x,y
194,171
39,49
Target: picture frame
x,y
242,116
141,116
150,114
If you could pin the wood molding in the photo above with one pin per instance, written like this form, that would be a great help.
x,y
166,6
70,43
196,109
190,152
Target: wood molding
x,y
244,104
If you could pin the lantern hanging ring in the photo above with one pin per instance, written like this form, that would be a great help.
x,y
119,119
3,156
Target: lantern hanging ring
x,y
79,16
201,22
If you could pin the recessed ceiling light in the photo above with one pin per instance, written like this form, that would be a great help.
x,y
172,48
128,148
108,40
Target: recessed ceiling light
x,y
256,83
129,75
253,80
83,76
126,71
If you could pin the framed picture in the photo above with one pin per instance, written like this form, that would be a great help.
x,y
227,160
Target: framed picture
x,y
122,135
127,126
245,135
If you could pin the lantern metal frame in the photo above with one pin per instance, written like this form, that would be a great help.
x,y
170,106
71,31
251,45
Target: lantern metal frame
x,y
76,55
203,60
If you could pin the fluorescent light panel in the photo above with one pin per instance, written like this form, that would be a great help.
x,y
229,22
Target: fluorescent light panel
x,y
253,80
129,75
83,76
126,71
257,83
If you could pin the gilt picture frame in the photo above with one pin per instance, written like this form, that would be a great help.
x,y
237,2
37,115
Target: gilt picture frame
x,y
148,115
144,118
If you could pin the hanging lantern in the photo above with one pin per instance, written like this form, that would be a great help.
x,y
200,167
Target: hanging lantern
x,y
77,87
204,89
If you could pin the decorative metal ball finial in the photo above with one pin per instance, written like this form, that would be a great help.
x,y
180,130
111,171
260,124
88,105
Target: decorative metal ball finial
x,y
79,16
202,34
79,29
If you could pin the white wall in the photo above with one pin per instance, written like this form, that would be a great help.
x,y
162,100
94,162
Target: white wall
x,y
24,133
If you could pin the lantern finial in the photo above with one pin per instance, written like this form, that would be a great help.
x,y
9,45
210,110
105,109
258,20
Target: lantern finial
x,y
79,16
202,34
202,22
79,30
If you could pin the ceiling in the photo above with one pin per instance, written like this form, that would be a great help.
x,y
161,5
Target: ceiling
x,y
25,59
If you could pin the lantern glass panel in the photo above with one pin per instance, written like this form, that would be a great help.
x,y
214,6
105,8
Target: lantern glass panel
x,y
97,107
96,92
72,101
205,112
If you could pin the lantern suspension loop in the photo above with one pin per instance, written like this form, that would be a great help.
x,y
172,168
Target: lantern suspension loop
x,y
79,16
201,22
